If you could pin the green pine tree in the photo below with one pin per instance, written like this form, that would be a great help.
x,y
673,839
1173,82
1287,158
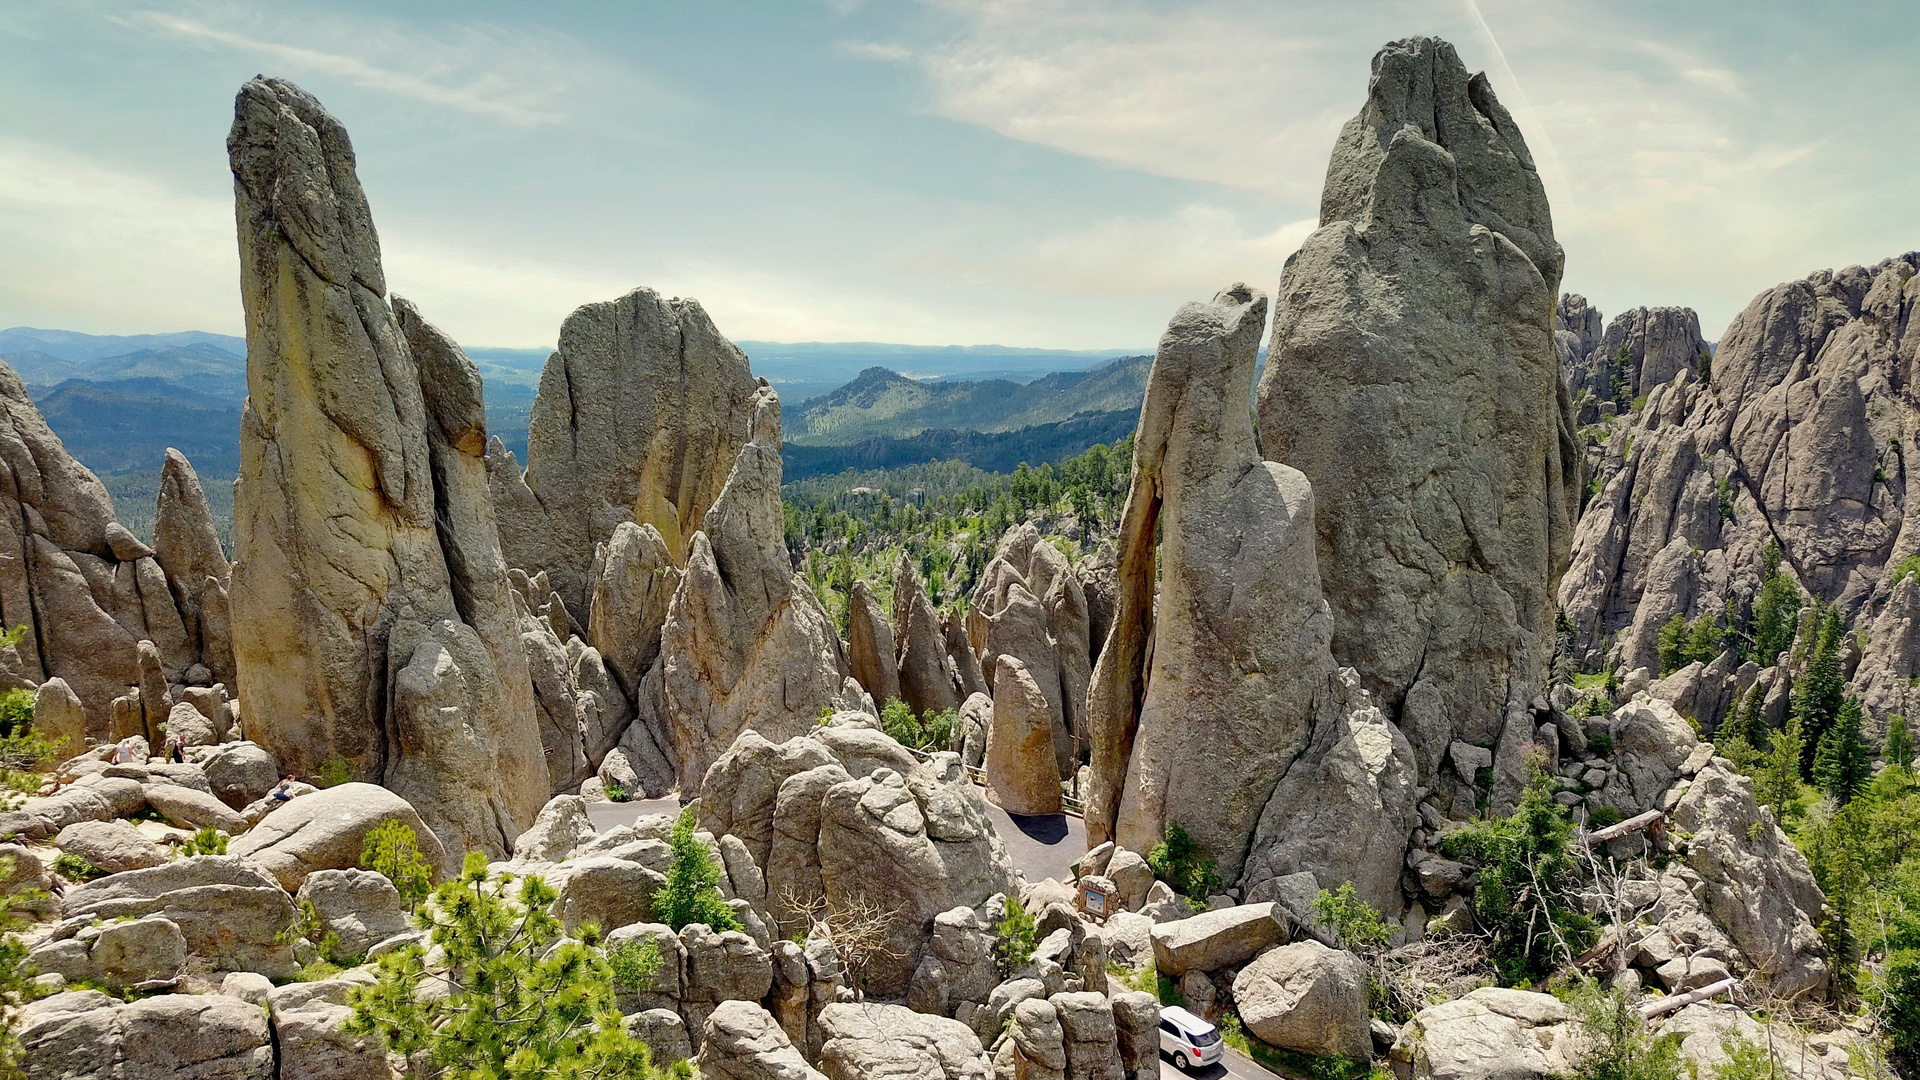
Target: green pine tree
x,y
1898,749
692,891
1779,777
1673,644
1844,765
1776,609
1817,695
1703,640
524,1003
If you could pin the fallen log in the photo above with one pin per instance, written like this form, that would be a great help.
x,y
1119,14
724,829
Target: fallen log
x,y
1620,829
1662,1006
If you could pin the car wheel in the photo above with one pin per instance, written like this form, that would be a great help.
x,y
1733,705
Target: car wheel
x,y
1180,1061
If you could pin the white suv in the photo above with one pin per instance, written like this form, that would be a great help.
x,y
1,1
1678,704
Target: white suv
x,y
1192,1042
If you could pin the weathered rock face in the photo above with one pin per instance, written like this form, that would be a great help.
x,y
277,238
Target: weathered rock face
x,y
1307,998
169,1037
1239,671
870,645
746,642
1021,772
85,588
1490,1034
1029,604
1641,349
742,1041
327,830
640,414
1413,376
371,618
1795,440
1344,810
187,547
927,677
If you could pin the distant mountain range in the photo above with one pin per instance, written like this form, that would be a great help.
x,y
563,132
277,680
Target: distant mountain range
x,y
118,402
883,403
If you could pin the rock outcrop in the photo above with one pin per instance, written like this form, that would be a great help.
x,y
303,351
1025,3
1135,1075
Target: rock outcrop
x,y
1414,378
1793,438
187,547
1641,349
870,645
640,414
371,618
927,676
1029,605
745,641
1205,699
87,591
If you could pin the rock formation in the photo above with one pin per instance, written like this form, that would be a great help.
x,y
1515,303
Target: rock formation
x,y
1021,772
1641,349
1204,700
1413,376
187,547
927,677
371,620
870,645
640,413
1029,604
86,590
1796,440
746,642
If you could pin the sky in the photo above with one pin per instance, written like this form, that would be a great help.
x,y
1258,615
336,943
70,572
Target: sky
x,y
948,172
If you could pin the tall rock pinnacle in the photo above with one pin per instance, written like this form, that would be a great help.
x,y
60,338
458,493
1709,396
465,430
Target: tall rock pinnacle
x,y
366,602
1414,377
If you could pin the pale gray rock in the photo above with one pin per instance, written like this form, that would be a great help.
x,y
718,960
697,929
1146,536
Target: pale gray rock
x,y
1490,1034
561,829
743,787
974,726
1758,886
60,718
1022,775
746,643
360,906
1218,939
1136,1021
742,1041
629,601
249,986
231,913
641,411
918,845
1088,1035
968,677
239,773
1307,998
1037,1042
85,1034
187,547
793,860
308,1029
372,624
1343,811
867,1039
1205,696
1446,491
327,830
604,890
664,1033
112,846
927,676
1799,411
856,741
189,808
870,650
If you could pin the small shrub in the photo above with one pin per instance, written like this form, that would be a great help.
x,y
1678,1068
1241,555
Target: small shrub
x,y
74,868
1603,816
1616,1045
1355,924
1521,896
1601,745
1906,568
1178,861
1748,1060
692,891
1900,1001
208,841
392,850
333,772
616,791
16,712
634,963
1013,938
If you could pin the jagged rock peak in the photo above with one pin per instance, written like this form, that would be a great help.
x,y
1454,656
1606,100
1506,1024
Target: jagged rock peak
x,y
1414,377
369,603
640,414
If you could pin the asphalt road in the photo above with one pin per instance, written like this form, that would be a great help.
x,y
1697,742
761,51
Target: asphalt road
x,y
1042,847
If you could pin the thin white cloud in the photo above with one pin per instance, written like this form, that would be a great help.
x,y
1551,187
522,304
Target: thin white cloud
x,y
485,95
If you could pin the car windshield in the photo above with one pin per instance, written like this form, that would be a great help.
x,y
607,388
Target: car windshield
x,y
1205,1038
